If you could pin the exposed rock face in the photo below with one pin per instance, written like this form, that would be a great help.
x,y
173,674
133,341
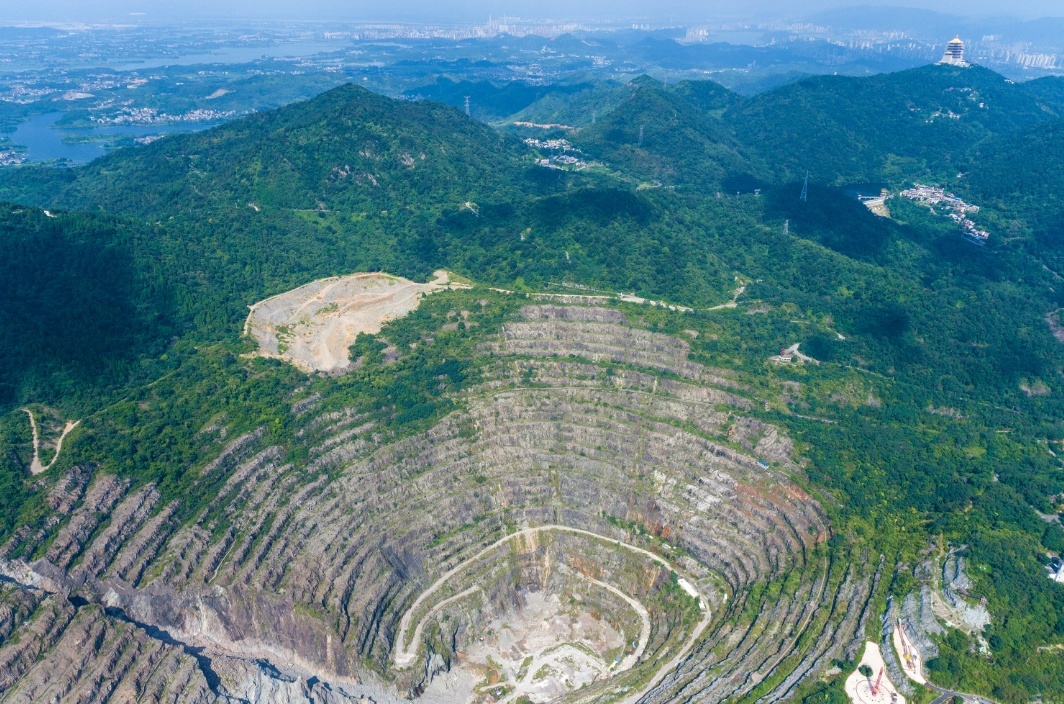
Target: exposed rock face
x,y
920,623
955,585
299,596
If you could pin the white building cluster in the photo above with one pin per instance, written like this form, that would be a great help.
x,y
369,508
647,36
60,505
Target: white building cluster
x,y
958,209
152,116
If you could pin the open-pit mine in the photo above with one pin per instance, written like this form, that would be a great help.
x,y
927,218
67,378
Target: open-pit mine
x,y
600,519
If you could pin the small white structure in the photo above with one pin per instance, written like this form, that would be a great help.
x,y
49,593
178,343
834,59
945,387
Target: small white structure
x,y
954,55
1056,570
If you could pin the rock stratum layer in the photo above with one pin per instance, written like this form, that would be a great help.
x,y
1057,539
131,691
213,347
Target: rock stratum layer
x,y
291,585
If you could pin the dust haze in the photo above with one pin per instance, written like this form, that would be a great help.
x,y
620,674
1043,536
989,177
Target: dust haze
x,y
475,10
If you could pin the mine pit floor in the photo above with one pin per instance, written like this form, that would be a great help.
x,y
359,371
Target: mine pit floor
x,y
562,662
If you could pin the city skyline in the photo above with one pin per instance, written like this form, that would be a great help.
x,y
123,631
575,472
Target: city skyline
x,y
675,11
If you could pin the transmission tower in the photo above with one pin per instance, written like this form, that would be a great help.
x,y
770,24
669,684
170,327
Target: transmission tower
x,y
786,227
640,135
805,188
467,106
594,115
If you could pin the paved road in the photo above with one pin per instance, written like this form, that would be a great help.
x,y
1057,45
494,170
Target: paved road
x,y
946,694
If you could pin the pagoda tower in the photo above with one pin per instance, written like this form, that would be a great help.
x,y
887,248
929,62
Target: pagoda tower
x,y
954,55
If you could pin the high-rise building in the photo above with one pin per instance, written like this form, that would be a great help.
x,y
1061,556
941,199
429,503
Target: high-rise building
x,y
954,55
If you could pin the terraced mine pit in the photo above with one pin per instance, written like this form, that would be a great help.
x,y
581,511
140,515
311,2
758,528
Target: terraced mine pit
x,y
594,489
313,326
569,623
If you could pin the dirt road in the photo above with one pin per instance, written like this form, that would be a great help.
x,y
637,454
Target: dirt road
x,y
35,465
404,654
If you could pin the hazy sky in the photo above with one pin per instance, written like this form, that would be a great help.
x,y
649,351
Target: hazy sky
x,y
465,10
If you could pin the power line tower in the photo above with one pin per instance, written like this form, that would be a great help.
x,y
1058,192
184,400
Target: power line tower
x,y
594,115
805,188
640,135
786,227
467,106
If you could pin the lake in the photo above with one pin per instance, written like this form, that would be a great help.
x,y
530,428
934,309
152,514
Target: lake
x,y
44,142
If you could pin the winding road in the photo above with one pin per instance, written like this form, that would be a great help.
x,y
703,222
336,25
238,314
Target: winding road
x,y
405,655
946,694
35,465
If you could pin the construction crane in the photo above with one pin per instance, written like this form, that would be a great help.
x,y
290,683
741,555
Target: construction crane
x,y
875,687
906,651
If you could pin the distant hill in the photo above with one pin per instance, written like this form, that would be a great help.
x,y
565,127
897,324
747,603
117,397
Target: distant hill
x,y
490,102
348,147
671,135
577,109
671,54
886,127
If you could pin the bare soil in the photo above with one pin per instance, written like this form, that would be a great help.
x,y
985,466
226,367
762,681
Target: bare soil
x,y
313,326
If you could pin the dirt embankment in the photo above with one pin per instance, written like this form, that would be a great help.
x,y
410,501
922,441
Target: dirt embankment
x,y
313,326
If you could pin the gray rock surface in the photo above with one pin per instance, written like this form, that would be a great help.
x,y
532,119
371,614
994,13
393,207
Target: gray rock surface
x,y
297,597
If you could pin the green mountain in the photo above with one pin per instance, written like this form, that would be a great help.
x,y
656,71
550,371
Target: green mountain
x,y
890,127
211,500
347,181
348,148
671,135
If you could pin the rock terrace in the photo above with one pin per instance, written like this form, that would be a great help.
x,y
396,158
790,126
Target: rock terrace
x,y
301,595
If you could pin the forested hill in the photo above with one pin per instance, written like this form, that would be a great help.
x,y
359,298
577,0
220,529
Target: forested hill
x,y
1021,175
894,126
354,150
79,307
672,135
348,148
891,128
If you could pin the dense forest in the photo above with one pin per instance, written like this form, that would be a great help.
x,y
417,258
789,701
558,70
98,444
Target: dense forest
x,y
123,302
